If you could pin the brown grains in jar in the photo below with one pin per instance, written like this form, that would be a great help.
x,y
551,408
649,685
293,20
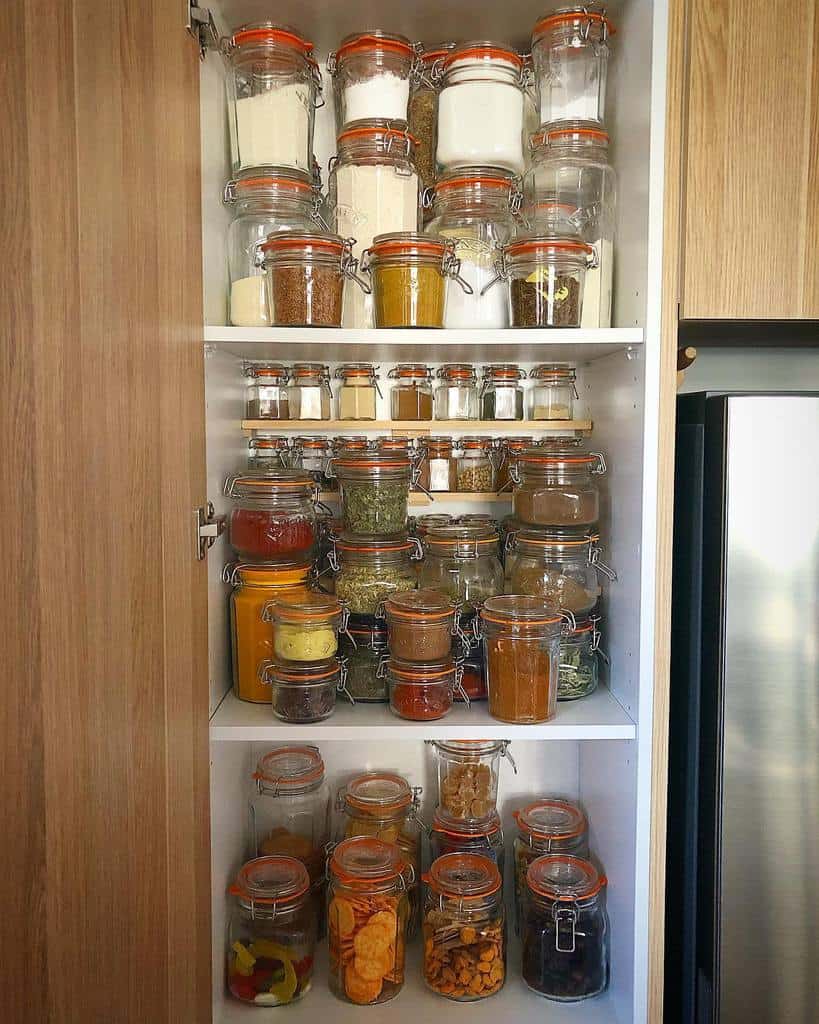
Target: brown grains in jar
x,y
306,296
551,302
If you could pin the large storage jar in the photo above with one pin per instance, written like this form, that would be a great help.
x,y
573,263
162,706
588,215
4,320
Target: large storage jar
x,y
369,571
273,518
558,565
555,485
462,562
371,77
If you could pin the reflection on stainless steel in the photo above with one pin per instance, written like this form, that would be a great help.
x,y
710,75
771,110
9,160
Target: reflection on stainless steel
x,y
769,864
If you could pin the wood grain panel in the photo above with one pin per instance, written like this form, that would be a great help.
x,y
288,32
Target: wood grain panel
x,y
117,700
752,180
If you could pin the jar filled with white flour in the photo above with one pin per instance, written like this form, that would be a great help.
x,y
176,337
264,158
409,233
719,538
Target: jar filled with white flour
x,y
273,86
481,108
476,207
373,189
371,76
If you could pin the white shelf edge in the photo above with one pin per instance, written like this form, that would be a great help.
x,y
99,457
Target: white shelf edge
x,y
412,338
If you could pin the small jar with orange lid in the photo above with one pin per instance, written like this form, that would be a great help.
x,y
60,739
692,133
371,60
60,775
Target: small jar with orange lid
x,y
420,625
502,392
367,917
411,395
311,453
267,397
268,452
371,76
273,518
484,838
464,927
305,626
304,692
374,492
565,929
422,691
254,585
272,932
456,396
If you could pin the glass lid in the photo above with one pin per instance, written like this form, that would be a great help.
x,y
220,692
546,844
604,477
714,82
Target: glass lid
x,y
551,819
564,878
271,880
290,768
378,792
463,875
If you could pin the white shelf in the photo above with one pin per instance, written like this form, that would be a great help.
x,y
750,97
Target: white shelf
x,y
332,344
419,427
598,717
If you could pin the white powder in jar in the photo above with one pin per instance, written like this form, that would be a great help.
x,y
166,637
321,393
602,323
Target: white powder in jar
x,y
597,285
490,310
481,122
248,302
384,95
273,127
439,474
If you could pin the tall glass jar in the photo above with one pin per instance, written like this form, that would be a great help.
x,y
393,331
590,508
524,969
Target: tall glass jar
x,y
556,486
546,275
475,207
272,932
462,562
437,468
570,51
483,838
367,572
552,396
364,646
559,566
267,453
501,391
565,929
456,396
273,518
273,88
550,825
310,393
263,200
251,637
468,778
373,189
374,493
521,637
311,453
481,108
267,395
358,392
579,661
476,466
411,395
367,920
423,108
570,163
464,926
371,77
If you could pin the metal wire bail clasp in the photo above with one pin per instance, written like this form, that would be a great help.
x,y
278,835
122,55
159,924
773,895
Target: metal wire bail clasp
x,y
569,622
599,564
342,678
349,266
565,915
459,684
451,267
601,466
501,274
505,753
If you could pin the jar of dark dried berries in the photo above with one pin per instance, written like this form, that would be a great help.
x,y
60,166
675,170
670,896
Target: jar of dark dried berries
x,y
304,692
546,274
565,929
273,518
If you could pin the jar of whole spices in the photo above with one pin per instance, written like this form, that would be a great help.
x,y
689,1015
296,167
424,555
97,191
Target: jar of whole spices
x,y
305,274
421,691
305,627
438,467
546,275
371,74
560,565
310,392
521,637
420,625
411,397
374,492
501,392
506,453
311,453
267,396
304,692
555,485
552,397
358,391
464,927
408,272
425,86
364,645
547,826
462,562
367,572
475,465
266,453
483,838
273,518
565,929
468,778
456,397
579,661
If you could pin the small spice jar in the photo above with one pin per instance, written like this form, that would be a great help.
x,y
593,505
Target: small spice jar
x,y
273,88
310,393
464,927
305,627
425,85
367,916
507,451
411,396
579,661
546,274
364,645
350,443
408,272
570,52
268,453
358,391
311,453
421,692
501,392
273,518
374,492
468,778
267,396
555,485
371,76
462,562
483,838
522,646
305,273
475,466
303,692
547,826
438,467
368,572
456,397
402,446
553,396
422,525
272,933
420,625
565,929
559,565
290,809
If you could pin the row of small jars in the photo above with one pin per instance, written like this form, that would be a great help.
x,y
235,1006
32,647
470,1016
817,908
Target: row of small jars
x,y
303,391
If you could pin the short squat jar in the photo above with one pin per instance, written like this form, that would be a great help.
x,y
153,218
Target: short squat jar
x,y
468,778
305,626
502,392
579,661
420,625
268,453
556,486
421,691
304,692
411,396
272,932
371,77
370,571
273,518
462,562
374,492
565,929
267,396
464,927
483,838
546,274
553,394
560,566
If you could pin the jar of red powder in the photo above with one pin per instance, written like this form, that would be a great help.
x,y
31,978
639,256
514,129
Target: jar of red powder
x,y
273,517
422,692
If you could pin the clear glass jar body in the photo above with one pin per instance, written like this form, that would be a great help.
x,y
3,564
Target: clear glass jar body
x,y
559,571
485,840
506,454
304,629
473,680
267,396
272,90
467,772
456,396
546,278
303,692
481,109
273,518
552,395
522,658
411,395
369,572
473,207
371,77
570,53
409,289
311,454
268,453
475,466
374,494
579,662
364,683
570,165
304,277
420,692
358,392
310,393
263,201
420,625
502,392
557,492
462,562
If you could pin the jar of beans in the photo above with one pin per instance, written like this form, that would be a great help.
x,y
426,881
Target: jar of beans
x,y
421,692
475,466
468,778
555,485
420,625
273,518
484,838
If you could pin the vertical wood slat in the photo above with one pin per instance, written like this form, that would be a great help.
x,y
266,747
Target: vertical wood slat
x,y
108,628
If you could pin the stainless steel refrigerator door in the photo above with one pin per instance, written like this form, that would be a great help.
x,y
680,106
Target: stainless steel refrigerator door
x,y
769,861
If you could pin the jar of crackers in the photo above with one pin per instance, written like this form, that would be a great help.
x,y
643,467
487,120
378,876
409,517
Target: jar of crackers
x,y
368,910
464,927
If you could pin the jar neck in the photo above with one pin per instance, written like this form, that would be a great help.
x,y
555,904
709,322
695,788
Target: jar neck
x,y
378,149
269,788
467,70
373,558
586,149
473,200
467,909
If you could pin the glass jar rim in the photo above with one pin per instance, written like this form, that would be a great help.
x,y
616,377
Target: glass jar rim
x,y
262,574
466,828
593,13
387,546
468,177
420,672
485,51
274,34
436,52
473,535
381,792
495,372
457,371
564,878
308,608
304,673
286,244
347,370
277,372
537,540
466,876
364,860
557,371
519,610
373,40
476,748
270,182
408,245
270,881
419,605
290,768
275,444
372,127
271,483
406,370
551,819
547,248
554,131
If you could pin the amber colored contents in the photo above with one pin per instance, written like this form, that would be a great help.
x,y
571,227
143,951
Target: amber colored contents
x,y
408,295
411,403
520,679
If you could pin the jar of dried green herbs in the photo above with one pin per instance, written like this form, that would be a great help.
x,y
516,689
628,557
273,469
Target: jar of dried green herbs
x,y
546,274
425,86
364,644
368,571
580,652
374,492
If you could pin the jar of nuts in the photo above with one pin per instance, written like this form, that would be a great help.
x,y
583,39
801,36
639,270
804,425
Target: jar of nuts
x,y
468,778
475,471
464,928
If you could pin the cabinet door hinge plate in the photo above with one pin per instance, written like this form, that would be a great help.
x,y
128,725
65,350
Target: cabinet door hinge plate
x,y
200,24
209,526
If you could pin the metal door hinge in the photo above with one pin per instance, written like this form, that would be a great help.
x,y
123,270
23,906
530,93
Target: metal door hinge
x,y
199,22
209,526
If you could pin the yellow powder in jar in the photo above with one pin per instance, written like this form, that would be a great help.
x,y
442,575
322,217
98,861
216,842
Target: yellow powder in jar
x,y
408,296
297,643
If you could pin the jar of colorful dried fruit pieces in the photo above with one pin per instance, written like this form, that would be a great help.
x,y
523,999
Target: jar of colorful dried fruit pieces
x,y
367,916
464,927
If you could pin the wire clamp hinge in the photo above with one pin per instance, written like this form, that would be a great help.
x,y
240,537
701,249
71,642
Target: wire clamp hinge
x,y
200,24
209,526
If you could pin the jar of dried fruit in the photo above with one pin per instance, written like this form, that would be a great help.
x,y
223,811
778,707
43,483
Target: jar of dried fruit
x,y
304,692
475,466
468,778
464,927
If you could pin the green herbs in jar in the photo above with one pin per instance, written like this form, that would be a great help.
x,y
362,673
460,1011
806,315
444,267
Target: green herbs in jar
x,y
375,508
363,587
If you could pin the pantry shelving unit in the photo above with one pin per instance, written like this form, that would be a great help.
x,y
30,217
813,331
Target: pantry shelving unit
x,y
598,750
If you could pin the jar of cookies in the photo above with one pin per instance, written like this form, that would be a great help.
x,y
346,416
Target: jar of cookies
x,y
367,916
464,928
468,777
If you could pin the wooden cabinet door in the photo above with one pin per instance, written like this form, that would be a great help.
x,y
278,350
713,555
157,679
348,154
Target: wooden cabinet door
x,y
104,882
751,201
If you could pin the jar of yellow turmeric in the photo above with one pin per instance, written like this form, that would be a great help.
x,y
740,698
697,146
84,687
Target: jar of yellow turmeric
x,y
305,627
